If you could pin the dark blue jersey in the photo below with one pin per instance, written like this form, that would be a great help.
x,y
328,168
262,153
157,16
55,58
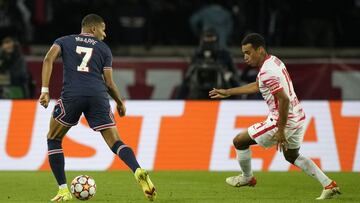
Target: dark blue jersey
x,y
84,58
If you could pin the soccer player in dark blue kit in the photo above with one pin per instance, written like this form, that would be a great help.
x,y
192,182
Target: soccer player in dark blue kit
x,y
87,82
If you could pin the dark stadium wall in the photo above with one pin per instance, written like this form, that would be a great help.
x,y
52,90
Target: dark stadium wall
x,y
158,78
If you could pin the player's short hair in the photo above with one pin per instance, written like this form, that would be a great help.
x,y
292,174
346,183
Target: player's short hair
x,y
91,20
255,39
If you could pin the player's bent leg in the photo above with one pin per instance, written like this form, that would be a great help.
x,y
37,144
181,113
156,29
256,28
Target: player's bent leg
x,y
57,130
56,158
127,155
243,140
243,155
291,155
309,167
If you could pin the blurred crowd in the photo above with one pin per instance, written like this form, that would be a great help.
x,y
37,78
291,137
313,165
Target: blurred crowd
x,y
15,80
317,23
211,25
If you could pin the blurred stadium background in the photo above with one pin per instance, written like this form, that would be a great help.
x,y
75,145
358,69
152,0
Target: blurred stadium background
x,y
153,43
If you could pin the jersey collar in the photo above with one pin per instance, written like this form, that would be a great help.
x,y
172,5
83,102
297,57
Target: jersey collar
x,y
267,56
86,34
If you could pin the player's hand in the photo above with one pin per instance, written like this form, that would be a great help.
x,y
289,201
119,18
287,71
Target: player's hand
x,y
44,99
282,144
218,93
121,109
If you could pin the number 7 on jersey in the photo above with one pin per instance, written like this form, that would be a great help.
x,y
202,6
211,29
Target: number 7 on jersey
x,y
88,53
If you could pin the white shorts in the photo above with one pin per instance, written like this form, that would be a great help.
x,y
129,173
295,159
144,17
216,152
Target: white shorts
x,y
263,134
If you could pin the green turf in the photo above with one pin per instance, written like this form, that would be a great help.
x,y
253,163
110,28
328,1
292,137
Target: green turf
x,y
179,187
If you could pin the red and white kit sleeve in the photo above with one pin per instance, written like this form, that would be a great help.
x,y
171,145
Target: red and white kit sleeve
x,y
271,81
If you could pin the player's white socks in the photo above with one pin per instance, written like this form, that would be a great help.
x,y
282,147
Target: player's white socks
x,y
244,159
310,168
62,186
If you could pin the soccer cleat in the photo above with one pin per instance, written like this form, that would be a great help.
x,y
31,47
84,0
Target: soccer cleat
x,y
142,176
62,195
239,181
330,191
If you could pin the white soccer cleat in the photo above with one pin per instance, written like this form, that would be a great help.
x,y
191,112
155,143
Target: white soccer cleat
x,y
239,181
330,191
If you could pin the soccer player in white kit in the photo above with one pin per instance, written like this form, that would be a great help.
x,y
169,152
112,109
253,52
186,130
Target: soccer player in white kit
x,y
284,126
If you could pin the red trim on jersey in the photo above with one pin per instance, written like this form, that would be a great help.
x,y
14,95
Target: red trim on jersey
x,y
264,131
302,118
269,80
276,103
86,34
262,73
277,90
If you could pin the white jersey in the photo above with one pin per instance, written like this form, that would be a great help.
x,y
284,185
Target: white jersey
x,y
272,78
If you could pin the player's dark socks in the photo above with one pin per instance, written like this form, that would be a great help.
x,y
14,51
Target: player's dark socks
x,y
126,154
56,160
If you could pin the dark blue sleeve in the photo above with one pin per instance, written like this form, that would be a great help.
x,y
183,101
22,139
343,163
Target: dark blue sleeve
x,y
108,58
59,41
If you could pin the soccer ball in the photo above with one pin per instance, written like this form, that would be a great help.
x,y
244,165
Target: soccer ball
x,y
83,187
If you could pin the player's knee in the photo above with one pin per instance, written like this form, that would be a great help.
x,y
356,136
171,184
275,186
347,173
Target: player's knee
x,y
238,144
291,157
57,133
50,136
53,135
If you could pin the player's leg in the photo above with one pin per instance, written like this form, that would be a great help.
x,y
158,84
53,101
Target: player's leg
x,y
308,166
56,158
55,151
311,169
66,114
100,118
126,154
259,133
242,144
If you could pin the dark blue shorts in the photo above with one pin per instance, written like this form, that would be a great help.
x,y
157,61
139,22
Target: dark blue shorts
x,y
97,112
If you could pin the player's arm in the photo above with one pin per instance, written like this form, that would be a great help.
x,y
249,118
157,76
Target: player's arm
x,y
47,67
245,89
114,92
284,102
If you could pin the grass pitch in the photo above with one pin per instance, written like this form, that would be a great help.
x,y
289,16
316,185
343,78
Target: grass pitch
x,y
175,186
